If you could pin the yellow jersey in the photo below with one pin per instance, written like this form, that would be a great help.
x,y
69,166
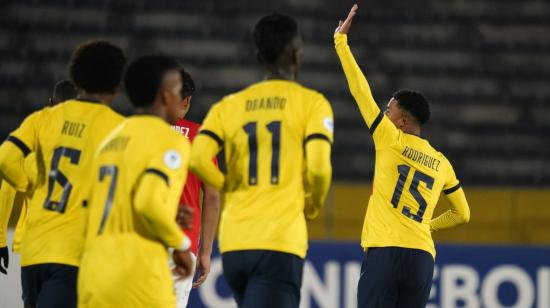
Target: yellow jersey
x,y
64,138
137,177
263,130
409,174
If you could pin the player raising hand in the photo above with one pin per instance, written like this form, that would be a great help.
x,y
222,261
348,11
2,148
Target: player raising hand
x,y
409,177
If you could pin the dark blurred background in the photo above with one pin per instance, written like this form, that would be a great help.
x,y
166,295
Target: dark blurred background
x,y
484,65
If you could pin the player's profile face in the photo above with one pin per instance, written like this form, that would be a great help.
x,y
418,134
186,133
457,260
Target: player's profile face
x,y
172,85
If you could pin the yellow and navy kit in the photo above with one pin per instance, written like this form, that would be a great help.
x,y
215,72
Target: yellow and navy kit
x,y
137,177
64,138
409,174
264,130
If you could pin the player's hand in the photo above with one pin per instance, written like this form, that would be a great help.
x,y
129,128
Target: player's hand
x,y
203,268
310,210
4,260
183,262
184,217
343,26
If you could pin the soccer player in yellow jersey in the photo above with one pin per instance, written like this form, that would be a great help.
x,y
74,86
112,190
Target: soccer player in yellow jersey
x,y
409,176
138,174
10,198
277,136
64,138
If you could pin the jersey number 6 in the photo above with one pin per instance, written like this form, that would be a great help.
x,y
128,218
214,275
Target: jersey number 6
x,y
57,176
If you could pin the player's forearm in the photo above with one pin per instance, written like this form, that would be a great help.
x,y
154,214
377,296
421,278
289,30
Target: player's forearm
x,y
7,199
357,82
157,210
210,217
11,166
457,215
319,175
201,163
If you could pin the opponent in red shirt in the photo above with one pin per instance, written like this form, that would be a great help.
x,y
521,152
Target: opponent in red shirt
x,y
203,227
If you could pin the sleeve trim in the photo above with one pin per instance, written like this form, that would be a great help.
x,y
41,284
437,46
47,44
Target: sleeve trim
x,y
377,121
317,136
212,135
452,189
161,174
20,144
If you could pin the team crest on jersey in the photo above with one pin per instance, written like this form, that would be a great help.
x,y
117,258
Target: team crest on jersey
x,y
328,123
172,159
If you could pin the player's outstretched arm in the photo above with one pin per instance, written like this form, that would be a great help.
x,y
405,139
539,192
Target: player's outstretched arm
x,y
319,174
357,82
457,215
210,217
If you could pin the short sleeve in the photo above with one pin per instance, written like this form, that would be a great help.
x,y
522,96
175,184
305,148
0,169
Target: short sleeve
x,y
320,121
212,125
451,183
383,131
25,137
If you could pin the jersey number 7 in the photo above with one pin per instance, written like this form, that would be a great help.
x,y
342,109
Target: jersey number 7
x,y
413,189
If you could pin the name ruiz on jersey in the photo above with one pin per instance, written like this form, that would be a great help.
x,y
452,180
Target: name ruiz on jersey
x,y
265,103
421,158
74,129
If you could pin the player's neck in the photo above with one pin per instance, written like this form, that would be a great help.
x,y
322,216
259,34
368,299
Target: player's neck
x,y
280,73
100,98
413,131
151,111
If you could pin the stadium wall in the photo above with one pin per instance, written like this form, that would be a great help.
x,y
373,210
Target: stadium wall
x,y
498,216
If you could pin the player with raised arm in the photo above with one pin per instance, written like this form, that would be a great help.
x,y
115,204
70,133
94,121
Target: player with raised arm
x,y
10,198
138,174
64,138
409,177
276,135
205,217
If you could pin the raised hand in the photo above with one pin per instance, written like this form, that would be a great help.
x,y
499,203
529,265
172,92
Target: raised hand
x,y
343,26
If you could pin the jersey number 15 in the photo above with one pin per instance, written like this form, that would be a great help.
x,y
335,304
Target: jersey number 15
x,y
413,189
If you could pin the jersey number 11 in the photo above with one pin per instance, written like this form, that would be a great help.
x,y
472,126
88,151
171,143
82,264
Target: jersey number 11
x,y
251,129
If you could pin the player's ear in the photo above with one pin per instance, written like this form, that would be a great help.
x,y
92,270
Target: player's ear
x,y
164,96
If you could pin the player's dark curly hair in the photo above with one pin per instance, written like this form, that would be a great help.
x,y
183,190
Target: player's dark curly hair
x,y
415,103
96,66
272,34
144,77
188,87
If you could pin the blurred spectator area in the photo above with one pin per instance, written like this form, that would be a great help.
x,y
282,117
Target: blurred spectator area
x,y
484,65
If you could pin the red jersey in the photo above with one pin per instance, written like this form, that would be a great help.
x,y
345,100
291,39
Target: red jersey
x,y
192,188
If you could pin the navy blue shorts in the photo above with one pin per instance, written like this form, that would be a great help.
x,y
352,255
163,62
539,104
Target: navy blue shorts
x,y
49,285
263,278
395,277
